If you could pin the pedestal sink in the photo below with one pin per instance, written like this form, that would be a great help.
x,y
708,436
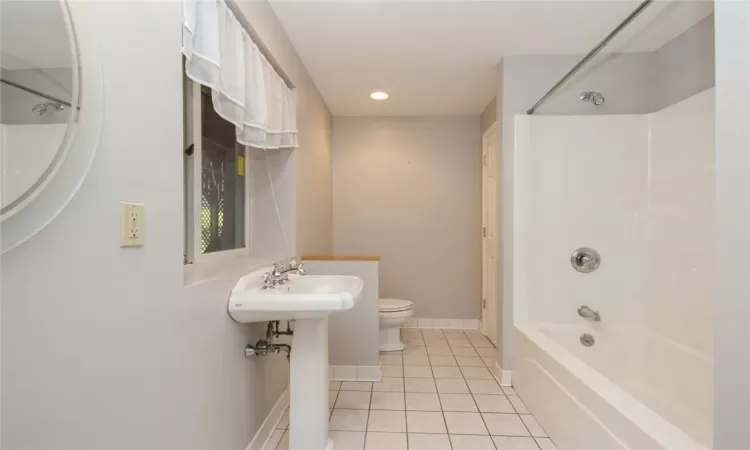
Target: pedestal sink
x,y
308,300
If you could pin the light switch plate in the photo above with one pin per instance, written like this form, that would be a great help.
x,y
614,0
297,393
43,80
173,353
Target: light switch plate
x,y
132,224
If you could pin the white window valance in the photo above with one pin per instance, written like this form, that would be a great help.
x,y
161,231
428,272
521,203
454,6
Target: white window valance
x,y
246,90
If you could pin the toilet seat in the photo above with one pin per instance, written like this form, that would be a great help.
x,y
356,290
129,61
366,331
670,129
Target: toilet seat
x,y
390,305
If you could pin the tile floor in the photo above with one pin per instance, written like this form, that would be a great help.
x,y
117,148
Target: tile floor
x,y
438,394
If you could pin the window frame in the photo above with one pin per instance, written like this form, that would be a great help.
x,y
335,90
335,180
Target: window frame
x,y
194,187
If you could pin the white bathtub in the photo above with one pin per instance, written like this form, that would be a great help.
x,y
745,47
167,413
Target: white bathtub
x,y
630,390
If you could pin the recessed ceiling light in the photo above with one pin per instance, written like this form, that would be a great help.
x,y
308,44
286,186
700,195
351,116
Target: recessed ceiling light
x,y
379,95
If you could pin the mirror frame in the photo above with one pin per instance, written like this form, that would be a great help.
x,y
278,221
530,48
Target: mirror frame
x,y
58,189
62,152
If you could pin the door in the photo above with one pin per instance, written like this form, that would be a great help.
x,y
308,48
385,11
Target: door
x,y
490,169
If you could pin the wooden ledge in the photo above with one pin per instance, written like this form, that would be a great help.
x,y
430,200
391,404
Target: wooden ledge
x,y
340,258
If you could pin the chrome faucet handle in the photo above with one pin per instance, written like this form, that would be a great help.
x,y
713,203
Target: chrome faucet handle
x,y
268,280
297,267
272,278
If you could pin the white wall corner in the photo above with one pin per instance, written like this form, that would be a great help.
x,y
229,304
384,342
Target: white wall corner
x,y
265,431
502,376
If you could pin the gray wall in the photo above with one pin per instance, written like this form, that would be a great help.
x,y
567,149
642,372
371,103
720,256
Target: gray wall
x,y
16,105
314,158
682,67
109,348
632,83
622,78
732,394
353,335
488,116
409,190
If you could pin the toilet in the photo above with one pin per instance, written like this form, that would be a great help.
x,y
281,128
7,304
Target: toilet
x,y
393,314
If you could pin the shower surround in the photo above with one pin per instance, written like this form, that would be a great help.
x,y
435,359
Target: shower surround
x,y
639,189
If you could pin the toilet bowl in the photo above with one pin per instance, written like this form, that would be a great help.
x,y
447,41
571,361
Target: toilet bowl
x,y
393,314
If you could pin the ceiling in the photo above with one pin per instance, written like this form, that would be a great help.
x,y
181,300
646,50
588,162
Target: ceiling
x,y
439,57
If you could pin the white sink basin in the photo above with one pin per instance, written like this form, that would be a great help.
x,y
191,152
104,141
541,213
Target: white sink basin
x,y
305,297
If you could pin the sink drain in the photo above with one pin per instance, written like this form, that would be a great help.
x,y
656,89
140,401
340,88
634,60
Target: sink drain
x,y
587,340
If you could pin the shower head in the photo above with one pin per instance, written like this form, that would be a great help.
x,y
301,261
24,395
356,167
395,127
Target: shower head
x,y
591,96
42,108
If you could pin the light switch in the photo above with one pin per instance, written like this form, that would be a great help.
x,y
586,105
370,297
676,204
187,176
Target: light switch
x,y
132,224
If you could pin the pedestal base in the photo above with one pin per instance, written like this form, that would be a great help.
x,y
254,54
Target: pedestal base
x,y
390,340
308,386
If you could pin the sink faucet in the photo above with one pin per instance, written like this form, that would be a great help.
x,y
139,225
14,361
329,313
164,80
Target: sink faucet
x,y
279,276
588,313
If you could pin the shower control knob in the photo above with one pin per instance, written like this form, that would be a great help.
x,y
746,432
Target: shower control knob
x,y
585,260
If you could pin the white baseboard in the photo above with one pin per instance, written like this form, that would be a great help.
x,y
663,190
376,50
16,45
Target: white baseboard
x,y
504,377
355,373
449,324
269,425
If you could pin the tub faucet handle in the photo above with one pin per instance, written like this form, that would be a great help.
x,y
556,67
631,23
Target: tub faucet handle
x,y
588,313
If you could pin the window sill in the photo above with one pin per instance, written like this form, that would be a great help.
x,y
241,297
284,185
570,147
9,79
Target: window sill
x,y
234,267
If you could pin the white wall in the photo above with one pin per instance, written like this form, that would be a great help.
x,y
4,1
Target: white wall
x,y
632,83
103,347
581,182
640,190
733,223
679,224
409,190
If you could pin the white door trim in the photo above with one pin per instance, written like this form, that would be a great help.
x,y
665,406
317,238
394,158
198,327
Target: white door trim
x,y
489,130
489,325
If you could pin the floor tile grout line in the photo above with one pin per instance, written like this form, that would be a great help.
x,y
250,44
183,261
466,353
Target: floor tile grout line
x,y
461,371
511,403
475,400
442,412
440,402
483,421
528,429
403,378
369,409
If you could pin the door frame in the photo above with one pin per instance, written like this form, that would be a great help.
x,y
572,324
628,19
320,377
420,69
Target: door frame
x,y
491,129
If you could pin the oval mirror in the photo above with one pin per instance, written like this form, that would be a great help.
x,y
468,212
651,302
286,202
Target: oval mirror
x,y
39,85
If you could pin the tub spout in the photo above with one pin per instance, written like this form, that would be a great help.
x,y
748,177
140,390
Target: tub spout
x,y
588,313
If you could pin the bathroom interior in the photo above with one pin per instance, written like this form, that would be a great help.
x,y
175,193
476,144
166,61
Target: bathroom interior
x,y
375,225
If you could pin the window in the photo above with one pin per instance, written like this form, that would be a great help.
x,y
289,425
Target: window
x,y
222,214
216,185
